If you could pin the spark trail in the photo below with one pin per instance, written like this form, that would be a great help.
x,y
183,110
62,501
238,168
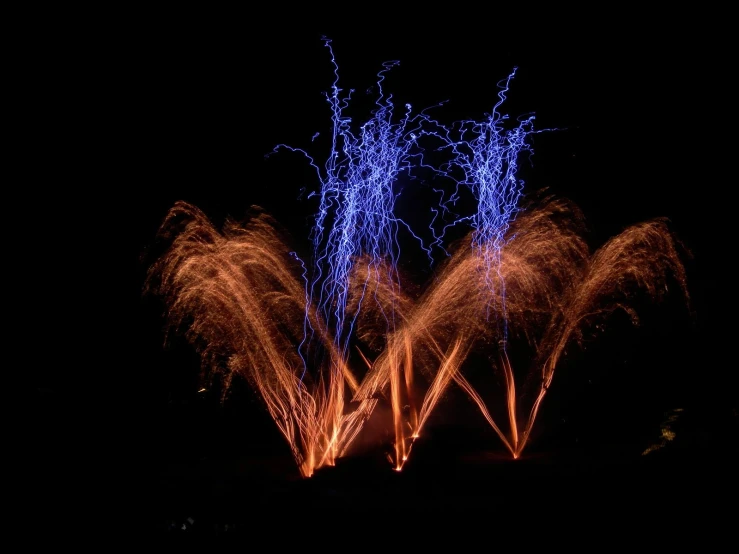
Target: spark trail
x,y
252,308
645,258
487,155
556,293
356,209
239,295
427,353
242,298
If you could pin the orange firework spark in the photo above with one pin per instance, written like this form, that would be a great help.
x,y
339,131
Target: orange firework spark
x,y
453,317
241,292
554,292
644,257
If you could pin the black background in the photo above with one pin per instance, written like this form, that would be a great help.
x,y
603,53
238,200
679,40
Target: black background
x,y
127,115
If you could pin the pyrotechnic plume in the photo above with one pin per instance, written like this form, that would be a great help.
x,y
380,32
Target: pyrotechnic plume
x,y
451,318
356,215
521,277
643,260
240,296
484,159
556,293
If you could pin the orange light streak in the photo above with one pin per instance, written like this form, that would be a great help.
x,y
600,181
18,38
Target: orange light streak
x,y
239,295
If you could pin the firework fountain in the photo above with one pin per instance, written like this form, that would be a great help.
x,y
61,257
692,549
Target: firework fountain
x,y
254,310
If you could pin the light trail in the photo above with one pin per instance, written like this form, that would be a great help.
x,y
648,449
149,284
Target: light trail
x,y
253,309
356,214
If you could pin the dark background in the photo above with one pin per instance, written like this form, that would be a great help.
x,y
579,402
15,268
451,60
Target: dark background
x,y
125,119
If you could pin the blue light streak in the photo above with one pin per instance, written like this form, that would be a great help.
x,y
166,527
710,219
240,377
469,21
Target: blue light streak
x,y
486,154
357,201
356,212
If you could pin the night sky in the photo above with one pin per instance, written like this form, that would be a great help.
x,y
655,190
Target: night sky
x,y
180,110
